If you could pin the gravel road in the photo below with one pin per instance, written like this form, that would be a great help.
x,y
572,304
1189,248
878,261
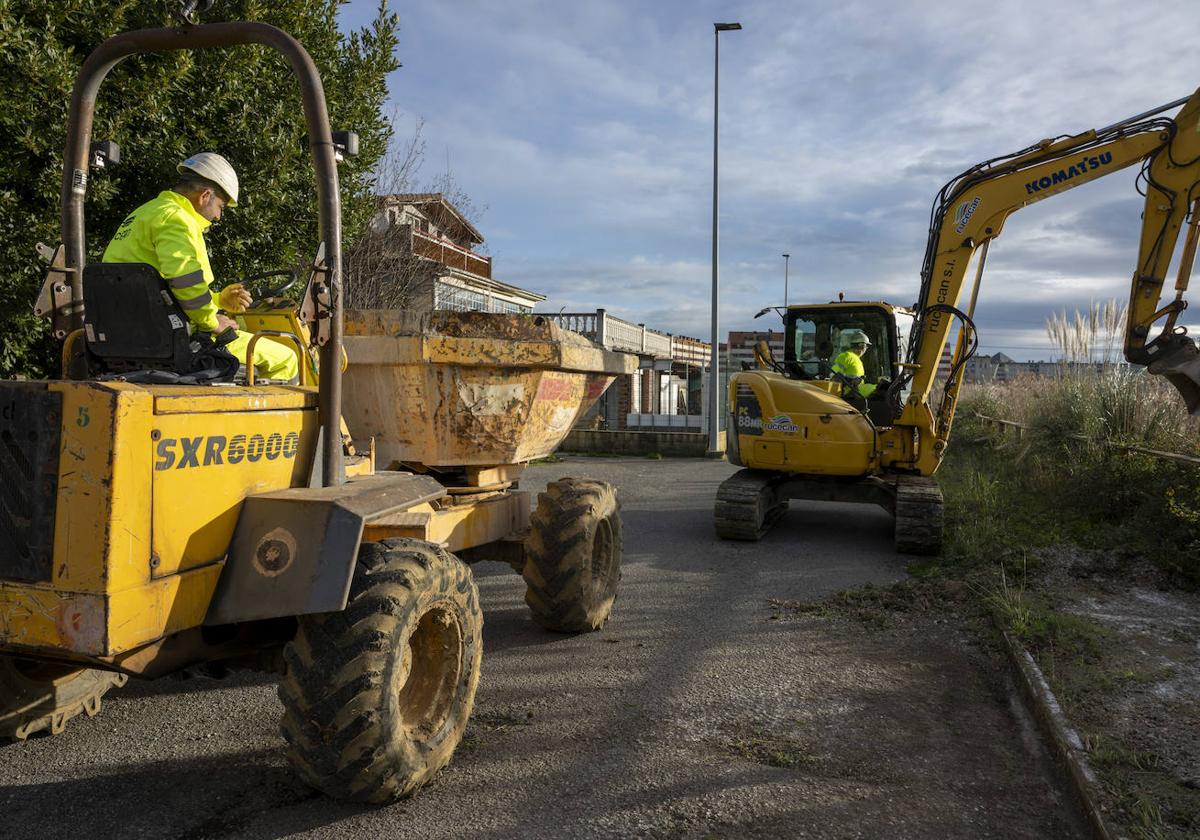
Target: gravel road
x,y
694,713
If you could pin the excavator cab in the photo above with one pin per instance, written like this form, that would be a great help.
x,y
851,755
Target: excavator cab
x,y
816,335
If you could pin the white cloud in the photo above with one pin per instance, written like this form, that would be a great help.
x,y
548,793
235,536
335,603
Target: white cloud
x,y
587,129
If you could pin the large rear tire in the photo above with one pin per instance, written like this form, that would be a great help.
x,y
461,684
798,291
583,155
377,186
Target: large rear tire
x,y
37,696
377,697
573,555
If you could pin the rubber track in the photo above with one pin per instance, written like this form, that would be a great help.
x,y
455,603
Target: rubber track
x,y
920,516
338,691
560,591
746,506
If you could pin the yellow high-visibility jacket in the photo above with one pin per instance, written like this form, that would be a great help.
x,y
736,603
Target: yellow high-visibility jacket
x,y
167,233
848,364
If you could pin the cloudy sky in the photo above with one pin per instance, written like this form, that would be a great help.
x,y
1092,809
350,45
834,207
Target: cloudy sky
x,y
586,131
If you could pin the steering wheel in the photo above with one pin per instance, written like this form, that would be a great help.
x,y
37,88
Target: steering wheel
x,y
265,292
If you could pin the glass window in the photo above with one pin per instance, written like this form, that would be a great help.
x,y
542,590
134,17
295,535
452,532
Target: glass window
x,y
816,337
804,340
509,307
904,325
448,296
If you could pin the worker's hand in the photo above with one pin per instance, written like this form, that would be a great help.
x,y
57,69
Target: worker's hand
x,y
234,298
883,385
224,322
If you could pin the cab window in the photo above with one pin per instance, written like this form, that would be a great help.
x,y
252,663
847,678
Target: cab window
x,y
815,338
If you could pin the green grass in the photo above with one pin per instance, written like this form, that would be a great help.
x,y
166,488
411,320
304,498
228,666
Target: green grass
x,y
1011,502
1046,490
1012,506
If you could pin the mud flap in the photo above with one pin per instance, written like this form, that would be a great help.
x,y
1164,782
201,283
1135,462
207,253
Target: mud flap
x,y
293,551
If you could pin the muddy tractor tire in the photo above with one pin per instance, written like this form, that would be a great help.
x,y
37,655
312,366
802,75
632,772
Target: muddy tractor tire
x,y
377,697
573,555
36,696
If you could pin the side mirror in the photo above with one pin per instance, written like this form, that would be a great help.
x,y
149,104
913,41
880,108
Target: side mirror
x,y
345,144
104,152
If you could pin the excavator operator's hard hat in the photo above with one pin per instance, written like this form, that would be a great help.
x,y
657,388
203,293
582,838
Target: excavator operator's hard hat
x,y
852,337
215,168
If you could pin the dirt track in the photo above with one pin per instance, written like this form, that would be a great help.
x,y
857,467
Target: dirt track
x,y
700,711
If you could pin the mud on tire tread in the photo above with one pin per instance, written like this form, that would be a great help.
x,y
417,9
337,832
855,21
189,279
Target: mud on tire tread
x,y
36,697
919,516
573,555
377,697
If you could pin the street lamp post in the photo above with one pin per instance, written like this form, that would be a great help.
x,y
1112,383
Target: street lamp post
x,y
714,385
786,257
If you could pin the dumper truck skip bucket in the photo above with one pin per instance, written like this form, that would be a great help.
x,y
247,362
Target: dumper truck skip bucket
x,y
471,398
469,389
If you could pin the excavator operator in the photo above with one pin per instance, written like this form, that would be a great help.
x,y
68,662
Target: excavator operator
x,y
849,366
167,233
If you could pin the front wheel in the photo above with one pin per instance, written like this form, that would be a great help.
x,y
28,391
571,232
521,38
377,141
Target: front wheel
x,y
377,697
36,696
573,555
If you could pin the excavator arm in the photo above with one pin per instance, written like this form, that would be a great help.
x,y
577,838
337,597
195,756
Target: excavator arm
x,y
971,210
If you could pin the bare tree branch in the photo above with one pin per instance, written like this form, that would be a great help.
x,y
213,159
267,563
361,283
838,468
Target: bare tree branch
x,y
381,270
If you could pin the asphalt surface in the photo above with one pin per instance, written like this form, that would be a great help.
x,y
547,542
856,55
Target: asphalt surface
x,y
699,711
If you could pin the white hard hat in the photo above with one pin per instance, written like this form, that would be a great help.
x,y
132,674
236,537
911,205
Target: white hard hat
x,y
215,168
852,337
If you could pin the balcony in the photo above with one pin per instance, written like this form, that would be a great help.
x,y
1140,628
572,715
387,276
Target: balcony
x,y
447,253
615,333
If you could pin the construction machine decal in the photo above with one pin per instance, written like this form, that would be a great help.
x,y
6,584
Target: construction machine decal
x,y
1073,171
782,423
964,213
209,450
748,412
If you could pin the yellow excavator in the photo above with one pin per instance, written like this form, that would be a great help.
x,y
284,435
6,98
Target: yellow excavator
x,y
812,426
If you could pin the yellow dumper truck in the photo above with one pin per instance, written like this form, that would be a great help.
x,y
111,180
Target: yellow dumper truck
x,y
148,525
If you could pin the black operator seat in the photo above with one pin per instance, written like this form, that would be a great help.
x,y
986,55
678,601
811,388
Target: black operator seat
x,y
133,323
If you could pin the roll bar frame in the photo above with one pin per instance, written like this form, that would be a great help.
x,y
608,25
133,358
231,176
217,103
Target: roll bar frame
x,y
76,166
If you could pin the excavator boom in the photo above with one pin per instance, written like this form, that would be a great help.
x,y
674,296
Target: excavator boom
x,y
971,210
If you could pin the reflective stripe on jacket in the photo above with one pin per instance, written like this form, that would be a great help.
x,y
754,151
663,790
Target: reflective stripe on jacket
x,y
849,365
168,233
